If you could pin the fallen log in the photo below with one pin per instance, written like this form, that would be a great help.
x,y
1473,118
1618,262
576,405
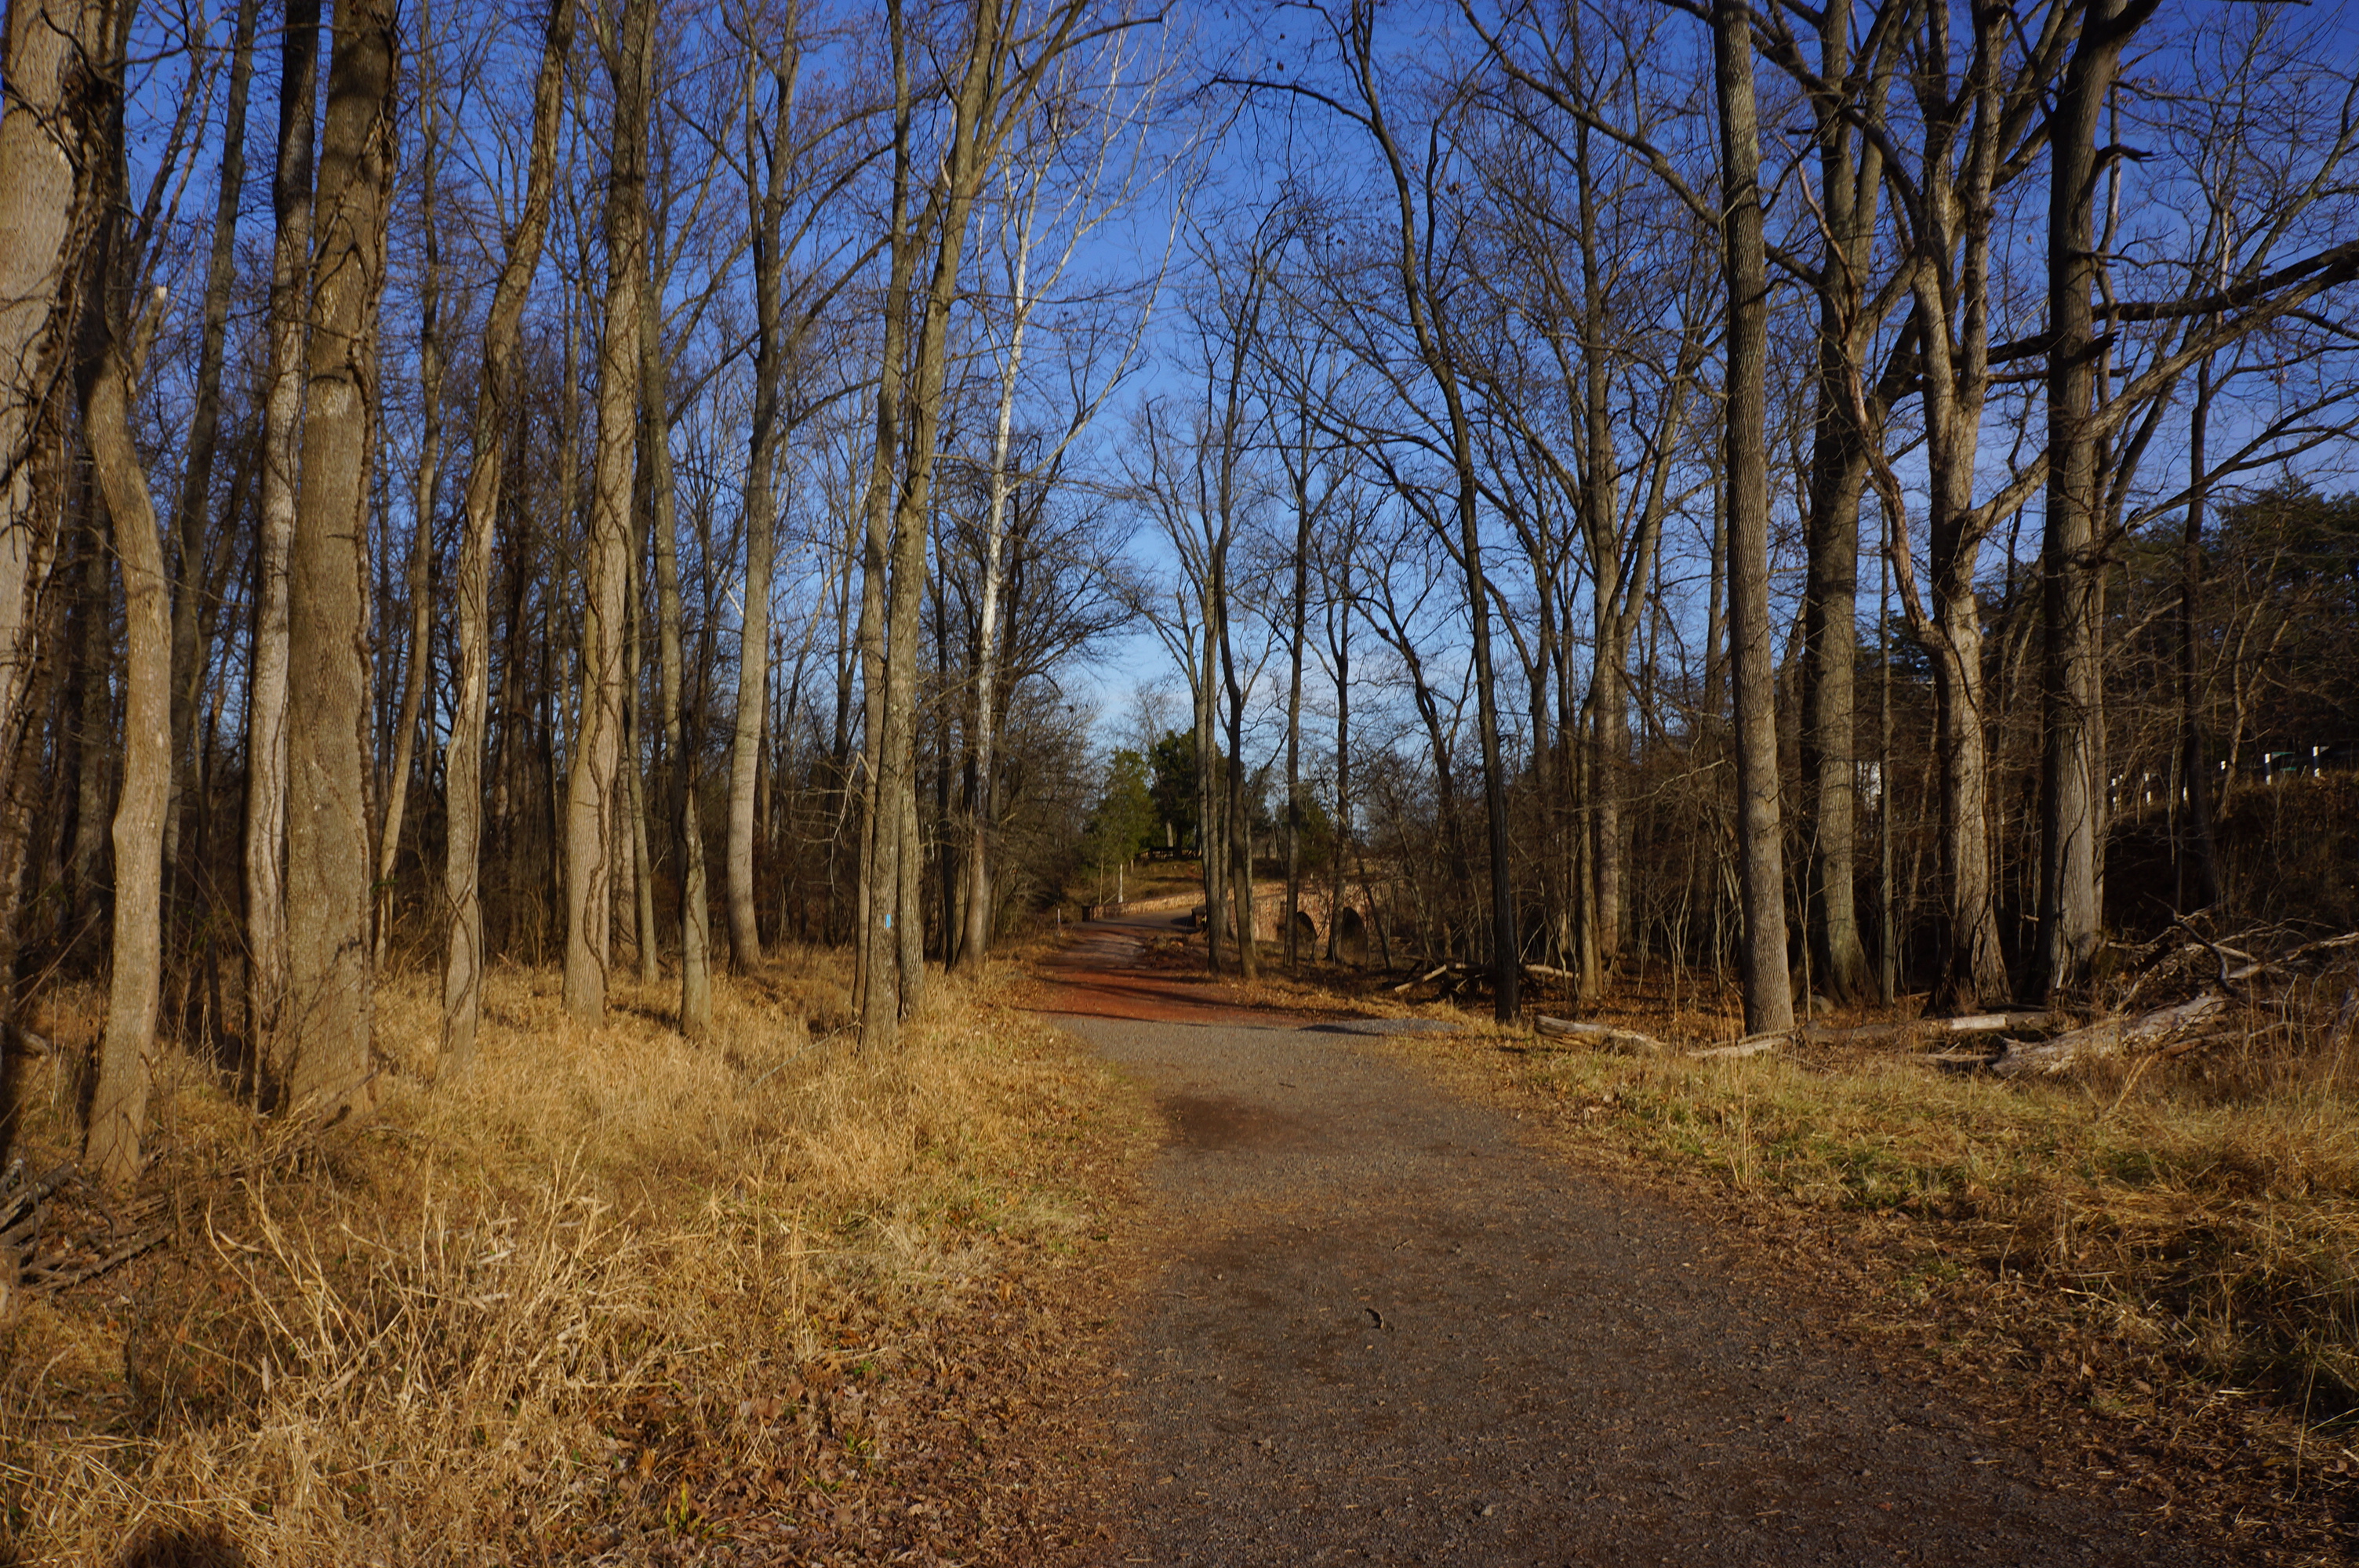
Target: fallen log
x,y
1434,973
2307,950
1925,1031
1602,1036
2147,1031
1751,1045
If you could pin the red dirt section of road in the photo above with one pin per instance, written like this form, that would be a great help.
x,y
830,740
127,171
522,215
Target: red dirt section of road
x,y
1101,973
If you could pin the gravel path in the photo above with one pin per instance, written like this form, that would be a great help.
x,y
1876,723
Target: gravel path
x,y
1382,1329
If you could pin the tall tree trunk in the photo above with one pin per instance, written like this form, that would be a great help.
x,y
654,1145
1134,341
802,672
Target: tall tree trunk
x,y
634,864
590,800
1294,694
1849,180
463,974
49,44
1341,641
979,100
2072,798
282,449
418,659
876,974
1238,808
108,372
745,749
979,901
695,909
1768,1001
328,978
1212,839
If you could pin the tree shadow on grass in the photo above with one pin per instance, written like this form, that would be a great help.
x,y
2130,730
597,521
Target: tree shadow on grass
x,y
189,1546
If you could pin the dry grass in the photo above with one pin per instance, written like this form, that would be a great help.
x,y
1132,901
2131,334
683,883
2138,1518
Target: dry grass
x,y
612,1297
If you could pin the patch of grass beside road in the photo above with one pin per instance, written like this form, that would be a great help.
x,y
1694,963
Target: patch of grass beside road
x,y
613,1297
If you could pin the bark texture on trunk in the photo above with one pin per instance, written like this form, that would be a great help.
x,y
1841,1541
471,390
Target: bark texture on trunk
x,y
875,974
114,331
1850,181
1768,1001
768,210
463,974
596,755
282,452
2071,800
328,974
695,908
41,147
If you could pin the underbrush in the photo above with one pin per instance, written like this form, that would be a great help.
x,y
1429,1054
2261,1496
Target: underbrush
x,y
610,1296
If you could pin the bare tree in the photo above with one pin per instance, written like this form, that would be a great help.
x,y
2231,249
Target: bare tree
x,y
116,334
282,445
596,754
328,976
1005,54
1768,1001
463,973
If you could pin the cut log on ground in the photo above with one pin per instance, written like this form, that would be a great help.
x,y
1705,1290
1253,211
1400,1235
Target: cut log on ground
x,y
1599,1036
2146,1031
1930,1030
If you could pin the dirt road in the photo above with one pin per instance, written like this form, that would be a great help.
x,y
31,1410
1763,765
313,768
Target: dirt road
x,y
1379,1328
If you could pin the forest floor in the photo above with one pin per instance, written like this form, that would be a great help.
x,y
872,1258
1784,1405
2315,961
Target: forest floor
x,y
1408,1292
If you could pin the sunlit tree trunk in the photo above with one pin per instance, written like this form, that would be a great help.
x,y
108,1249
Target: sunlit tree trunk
x,y
42,148
328,977
695,909
463,974
115,334
590,802
876,961
768,215
282,449
1768,1001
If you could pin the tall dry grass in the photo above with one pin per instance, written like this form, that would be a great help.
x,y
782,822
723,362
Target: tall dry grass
x,y
542,1312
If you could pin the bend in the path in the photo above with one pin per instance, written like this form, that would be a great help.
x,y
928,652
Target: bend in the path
x,y
1382,1329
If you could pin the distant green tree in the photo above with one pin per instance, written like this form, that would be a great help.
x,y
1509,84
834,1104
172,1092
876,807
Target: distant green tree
x,y
1173,760
1126,819
1318,833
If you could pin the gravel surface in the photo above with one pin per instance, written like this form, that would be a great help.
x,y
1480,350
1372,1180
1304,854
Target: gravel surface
x,y
1378,1328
